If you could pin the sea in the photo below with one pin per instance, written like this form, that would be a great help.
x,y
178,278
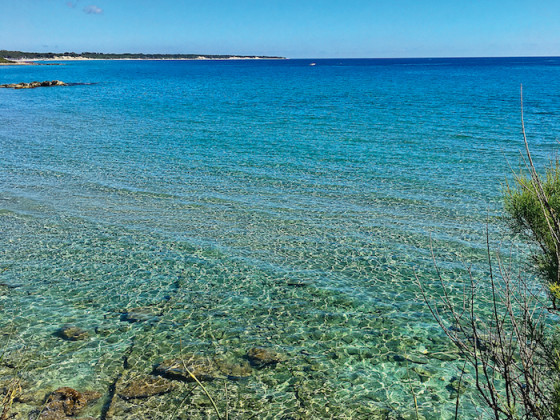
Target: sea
x,y
264,224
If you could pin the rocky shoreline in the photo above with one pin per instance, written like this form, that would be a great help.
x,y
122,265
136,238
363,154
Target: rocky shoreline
x,y
32,85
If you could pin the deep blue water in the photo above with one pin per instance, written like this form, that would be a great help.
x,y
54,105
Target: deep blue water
x,y
255,203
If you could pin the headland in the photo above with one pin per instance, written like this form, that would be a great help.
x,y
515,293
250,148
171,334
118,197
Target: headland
x,y
15,57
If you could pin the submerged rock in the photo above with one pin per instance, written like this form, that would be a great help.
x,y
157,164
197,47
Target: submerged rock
x,y
261,357
142,314
457,386
146,386
444,357
22,391
423,374
204,368
72,333
201,367
234,371
65,402
298,283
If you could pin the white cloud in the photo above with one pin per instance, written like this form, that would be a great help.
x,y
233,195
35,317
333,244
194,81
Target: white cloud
x,y
93,10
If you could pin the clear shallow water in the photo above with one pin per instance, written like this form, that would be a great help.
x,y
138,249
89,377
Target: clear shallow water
x,y
261,203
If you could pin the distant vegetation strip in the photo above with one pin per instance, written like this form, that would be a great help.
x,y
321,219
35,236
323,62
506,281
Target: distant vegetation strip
x,y
21,55
4,61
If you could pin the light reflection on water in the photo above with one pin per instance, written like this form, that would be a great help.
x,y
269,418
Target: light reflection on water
x,y
241,205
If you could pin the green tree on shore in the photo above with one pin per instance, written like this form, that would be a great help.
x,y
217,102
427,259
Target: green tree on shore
x,y
533,206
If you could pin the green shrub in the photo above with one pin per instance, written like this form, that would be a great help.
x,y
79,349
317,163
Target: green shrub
x,y
533,205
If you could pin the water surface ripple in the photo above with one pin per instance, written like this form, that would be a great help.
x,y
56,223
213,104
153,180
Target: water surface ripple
x,y
244,204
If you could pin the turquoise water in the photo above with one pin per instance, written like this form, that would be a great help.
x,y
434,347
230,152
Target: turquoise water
x,y
248,204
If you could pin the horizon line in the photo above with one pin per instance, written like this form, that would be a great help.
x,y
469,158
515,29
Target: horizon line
x,y
292,58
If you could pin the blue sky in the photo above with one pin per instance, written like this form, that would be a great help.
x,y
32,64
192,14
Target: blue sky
x,y
292,28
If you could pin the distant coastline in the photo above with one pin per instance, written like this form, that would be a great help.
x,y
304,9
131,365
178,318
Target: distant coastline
x,y
4,62
20,57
